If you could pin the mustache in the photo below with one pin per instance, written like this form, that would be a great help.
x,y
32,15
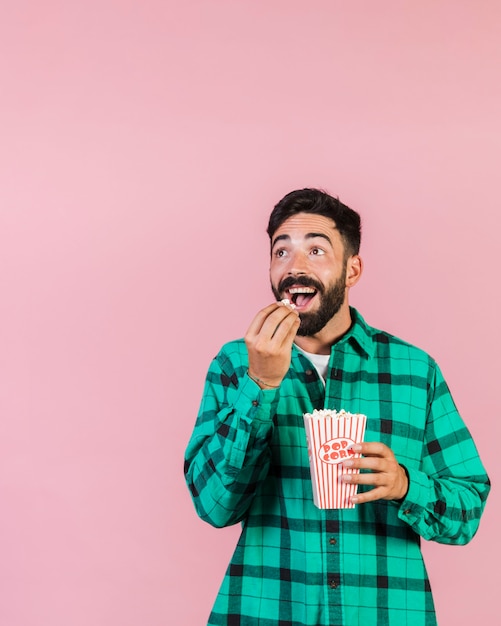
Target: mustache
x,y
304,281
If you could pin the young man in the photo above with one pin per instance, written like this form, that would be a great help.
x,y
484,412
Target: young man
x,y
247,460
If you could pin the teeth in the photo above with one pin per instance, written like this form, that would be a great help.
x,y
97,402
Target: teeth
x,y
301,290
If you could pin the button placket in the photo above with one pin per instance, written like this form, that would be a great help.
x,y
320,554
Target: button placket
x,y
332,580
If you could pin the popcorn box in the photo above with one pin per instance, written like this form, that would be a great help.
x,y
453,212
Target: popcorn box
x,y
330,435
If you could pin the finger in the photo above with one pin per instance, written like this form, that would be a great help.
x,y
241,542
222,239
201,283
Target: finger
x,y
377,493
373,448
275,319
257,323
377,478
269,319
273,323
287,329
374,463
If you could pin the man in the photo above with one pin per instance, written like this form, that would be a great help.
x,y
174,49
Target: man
x,y
247,460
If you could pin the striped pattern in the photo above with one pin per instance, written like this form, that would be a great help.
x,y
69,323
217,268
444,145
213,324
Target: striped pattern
x,y
329,441
296,564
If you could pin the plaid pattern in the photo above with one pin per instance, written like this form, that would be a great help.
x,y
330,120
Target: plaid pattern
x,y
296,565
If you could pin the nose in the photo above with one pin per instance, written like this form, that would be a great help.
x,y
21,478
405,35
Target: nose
x,y
298,265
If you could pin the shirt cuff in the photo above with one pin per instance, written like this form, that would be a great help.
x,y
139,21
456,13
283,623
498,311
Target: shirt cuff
x,y
417,497
254,402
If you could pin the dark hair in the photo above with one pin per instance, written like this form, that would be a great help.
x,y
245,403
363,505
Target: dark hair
x,y
316,201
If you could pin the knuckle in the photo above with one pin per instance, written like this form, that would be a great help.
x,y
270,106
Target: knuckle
x,y
393,466
263,348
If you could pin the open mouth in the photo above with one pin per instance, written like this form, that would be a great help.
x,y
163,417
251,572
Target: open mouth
x,y
301,296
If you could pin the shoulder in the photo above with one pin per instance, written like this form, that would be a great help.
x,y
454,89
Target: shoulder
x,y
233,349
233,355
229,365
383,338
387,345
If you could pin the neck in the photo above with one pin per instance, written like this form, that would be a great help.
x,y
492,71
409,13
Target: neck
x,y
335,328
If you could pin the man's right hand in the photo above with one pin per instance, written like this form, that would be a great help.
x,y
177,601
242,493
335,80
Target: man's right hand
x,y
269,342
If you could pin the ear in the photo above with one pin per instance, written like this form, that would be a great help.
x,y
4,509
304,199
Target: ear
x,y
354,268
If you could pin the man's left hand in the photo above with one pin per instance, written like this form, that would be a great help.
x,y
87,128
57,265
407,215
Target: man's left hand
x,y
388,477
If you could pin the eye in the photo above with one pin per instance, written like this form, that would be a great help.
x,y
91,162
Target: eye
x,y
317,251
280,253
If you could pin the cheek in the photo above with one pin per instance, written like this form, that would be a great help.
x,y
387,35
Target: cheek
x,y
274,279
276,272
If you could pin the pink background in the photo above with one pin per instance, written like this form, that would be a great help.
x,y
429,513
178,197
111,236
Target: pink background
x,y
143,144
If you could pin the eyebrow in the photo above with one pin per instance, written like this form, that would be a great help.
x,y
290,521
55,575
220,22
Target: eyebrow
x,y
307,236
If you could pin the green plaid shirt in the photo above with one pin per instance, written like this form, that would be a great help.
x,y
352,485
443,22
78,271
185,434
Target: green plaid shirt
x,y
297,565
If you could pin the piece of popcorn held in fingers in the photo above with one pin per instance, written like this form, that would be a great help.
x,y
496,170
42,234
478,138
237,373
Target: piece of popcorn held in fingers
x,y
288,303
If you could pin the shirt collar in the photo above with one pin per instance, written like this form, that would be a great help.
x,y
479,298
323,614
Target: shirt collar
x,y
360,334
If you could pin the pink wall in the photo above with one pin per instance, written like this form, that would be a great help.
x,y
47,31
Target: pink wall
x,y
143,144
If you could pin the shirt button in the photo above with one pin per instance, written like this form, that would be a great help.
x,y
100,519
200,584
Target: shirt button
x,y
309,372
332,541
333,584
255,403
407,512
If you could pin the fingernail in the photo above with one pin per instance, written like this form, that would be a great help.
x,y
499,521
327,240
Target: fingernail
x,y
356,447
348,463
346,478
354,499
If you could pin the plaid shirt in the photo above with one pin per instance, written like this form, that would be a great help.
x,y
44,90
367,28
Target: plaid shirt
x,y
297,565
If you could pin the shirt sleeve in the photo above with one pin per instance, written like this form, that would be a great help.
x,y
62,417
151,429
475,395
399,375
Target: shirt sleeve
x,y
228,454
447,494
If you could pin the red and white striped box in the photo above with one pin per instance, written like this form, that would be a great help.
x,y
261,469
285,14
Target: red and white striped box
x,y
330,435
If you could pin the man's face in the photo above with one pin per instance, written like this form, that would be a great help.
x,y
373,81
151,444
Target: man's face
x,y
308,266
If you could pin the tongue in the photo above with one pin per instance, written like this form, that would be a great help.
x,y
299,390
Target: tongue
x,y
303,298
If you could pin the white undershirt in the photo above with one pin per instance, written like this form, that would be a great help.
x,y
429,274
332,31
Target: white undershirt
x,y
320,361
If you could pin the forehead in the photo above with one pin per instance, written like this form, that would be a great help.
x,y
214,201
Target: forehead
x,y
303,225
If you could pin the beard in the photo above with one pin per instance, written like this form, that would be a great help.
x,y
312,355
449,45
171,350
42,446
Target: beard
x,y
331,300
